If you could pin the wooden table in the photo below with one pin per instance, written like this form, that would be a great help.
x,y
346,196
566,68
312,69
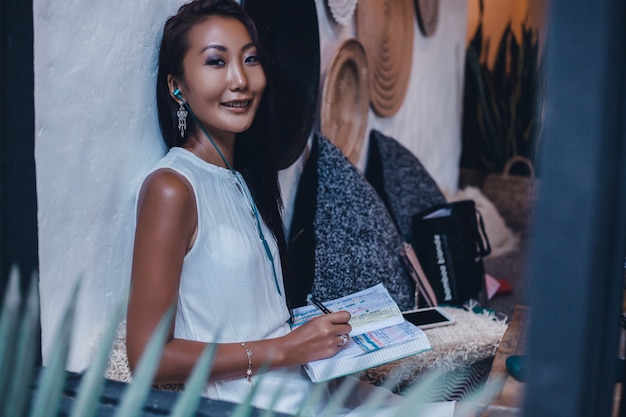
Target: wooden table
x,y
508,401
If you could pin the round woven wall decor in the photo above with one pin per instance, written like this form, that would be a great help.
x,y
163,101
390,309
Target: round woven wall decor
x,y
427,12
385,28
345,99
342,10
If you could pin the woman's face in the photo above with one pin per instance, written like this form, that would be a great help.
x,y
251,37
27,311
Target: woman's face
x,y
223,78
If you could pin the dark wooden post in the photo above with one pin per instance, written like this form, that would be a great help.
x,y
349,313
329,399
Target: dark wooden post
x,y
576,269
18,200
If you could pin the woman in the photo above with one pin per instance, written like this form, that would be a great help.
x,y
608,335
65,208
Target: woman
x,y
210,237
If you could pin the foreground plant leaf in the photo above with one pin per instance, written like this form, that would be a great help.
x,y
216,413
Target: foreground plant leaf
x,y
479,398
418,396
52,377
136,394
189,399
339,397
88,397
8,327
23,373
314,397
381,396
270,411
245,408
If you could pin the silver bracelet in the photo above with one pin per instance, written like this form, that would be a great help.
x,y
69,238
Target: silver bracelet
x,y
249,355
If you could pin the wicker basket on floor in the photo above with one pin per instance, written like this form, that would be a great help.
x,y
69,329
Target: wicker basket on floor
x,y
513,195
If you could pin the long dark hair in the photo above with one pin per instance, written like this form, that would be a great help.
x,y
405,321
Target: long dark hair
x,y
255,148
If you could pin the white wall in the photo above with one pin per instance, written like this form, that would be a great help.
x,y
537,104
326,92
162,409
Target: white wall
x,y
96,134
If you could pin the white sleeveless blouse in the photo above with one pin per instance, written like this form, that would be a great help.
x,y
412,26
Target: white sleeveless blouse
x,y
227,289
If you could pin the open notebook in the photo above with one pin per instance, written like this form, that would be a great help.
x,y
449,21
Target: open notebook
x,y
379,334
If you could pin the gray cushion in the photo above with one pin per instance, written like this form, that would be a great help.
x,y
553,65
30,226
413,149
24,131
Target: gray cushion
x,y
401,181
349,241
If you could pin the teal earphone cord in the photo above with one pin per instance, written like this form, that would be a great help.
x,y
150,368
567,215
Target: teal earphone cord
x,y
255,210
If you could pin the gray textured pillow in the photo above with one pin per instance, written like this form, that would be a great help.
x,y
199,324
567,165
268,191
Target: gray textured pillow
x,y
356,244
401,181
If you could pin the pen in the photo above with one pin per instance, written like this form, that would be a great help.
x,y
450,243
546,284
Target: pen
x,y
310,298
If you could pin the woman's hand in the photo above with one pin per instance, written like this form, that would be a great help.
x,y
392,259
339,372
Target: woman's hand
x,y
317,339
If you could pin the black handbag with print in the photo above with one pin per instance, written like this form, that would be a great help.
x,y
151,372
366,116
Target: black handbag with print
x,y
450,242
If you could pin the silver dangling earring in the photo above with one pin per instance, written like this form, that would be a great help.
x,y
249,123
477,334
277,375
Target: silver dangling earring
x,y
182,119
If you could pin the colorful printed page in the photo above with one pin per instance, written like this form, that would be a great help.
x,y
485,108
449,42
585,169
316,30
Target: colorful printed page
x,y
379,334
372,308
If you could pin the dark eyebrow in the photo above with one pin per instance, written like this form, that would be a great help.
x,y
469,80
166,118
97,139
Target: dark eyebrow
x,y
213,46
222,48
248,46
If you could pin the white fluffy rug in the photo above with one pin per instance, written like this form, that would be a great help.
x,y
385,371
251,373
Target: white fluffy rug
x,y
472,338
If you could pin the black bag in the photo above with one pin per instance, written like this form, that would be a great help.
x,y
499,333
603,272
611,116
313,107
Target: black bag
x,y
450,242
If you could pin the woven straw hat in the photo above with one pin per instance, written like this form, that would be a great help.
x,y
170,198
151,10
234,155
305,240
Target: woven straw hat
x,y
342,10
345,99
385,28
427,12
289,33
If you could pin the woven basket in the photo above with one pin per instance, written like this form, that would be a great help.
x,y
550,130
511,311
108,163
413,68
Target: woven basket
x,y
513,195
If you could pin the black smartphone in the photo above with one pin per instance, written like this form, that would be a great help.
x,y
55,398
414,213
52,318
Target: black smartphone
x,y
426,318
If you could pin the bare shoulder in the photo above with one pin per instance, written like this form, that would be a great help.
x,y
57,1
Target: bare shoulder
x,y
167,189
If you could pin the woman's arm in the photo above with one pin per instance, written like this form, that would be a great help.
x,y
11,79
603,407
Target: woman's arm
x,y
166,225
166,220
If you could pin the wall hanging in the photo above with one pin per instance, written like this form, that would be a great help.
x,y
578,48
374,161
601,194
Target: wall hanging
x,y
385,28
345,99
342,10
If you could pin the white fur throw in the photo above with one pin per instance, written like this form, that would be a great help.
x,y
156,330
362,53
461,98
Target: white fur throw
x,y
118,369
473,337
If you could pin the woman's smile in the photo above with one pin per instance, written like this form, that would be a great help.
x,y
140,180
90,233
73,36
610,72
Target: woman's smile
x,y
241,105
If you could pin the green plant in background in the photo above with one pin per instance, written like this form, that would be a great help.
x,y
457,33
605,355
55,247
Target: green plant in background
x,y
501,105
26,390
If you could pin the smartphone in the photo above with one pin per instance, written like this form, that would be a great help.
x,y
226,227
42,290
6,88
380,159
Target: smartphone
x,y
426,318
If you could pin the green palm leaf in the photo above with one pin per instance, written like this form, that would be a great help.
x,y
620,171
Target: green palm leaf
x,y
314,397
245,408
52,377
88,397
418,396
188,400
478,399
136,394
23,374
381,396
8,327
339,397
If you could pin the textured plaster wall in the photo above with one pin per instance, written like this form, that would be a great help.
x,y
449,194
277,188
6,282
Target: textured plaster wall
x,y
97,134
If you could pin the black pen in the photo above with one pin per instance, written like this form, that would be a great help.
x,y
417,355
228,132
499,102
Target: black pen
x,y
310,298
